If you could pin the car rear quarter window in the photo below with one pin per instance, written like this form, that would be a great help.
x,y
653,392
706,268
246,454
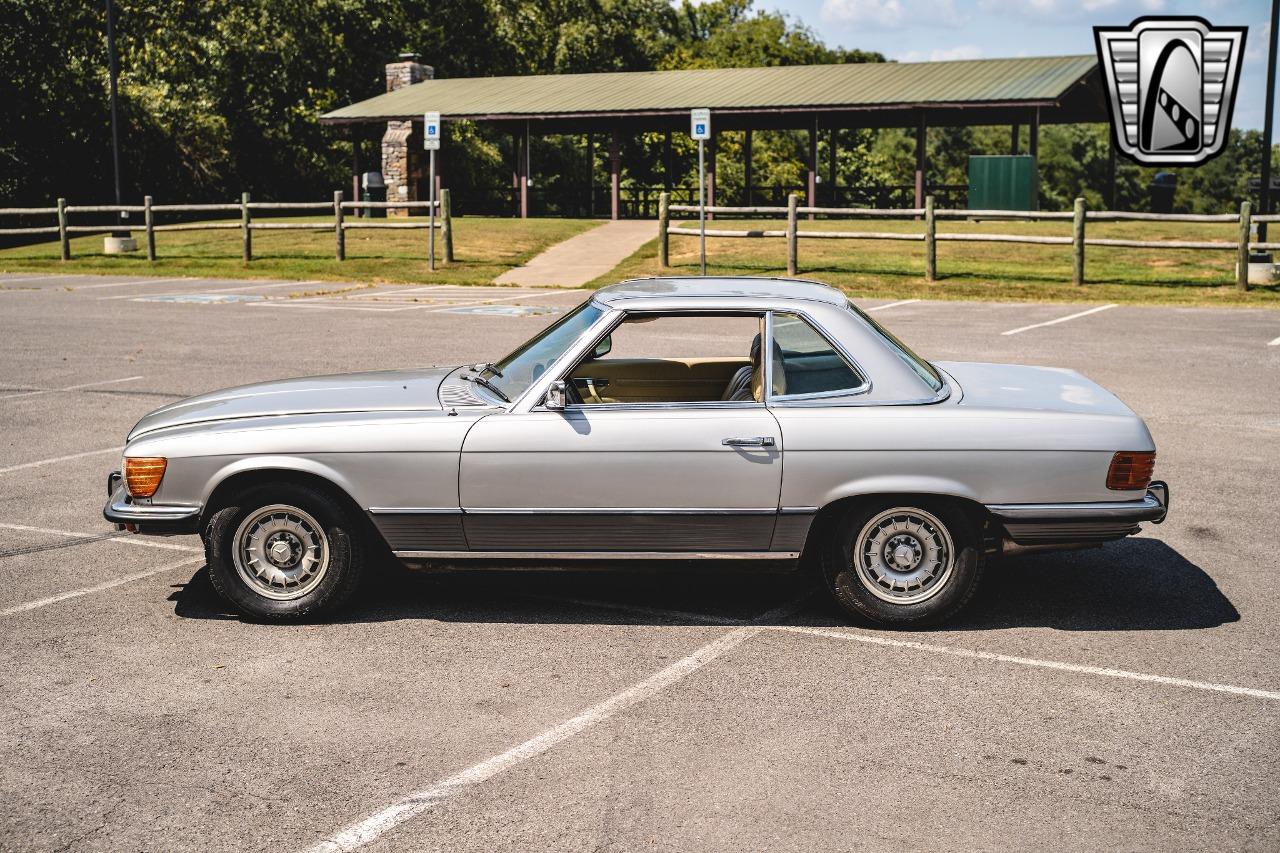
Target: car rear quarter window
x,y
807,361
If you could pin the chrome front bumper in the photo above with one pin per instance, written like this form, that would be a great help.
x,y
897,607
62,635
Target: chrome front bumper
x,y
157,520
1045,524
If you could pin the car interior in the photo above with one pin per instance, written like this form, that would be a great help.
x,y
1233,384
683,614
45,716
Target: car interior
x,y
632,364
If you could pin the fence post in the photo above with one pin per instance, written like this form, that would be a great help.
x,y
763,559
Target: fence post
x,y
930,242
793,239
664,216
244,227
1077,243
148,219
446,223
1242,265
62,229
339,235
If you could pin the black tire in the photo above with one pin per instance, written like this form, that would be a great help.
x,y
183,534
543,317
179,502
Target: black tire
x,y
946,596
341,534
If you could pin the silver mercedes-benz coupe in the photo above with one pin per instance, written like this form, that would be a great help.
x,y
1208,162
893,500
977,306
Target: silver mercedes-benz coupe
x,y
670,418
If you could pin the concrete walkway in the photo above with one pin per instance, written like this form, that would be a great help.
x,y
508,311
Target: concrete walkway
x,y
584,257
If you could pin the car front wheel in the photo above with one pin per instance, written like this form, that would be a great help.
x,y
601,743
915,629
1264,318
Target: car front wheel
x,y
284,552
904,563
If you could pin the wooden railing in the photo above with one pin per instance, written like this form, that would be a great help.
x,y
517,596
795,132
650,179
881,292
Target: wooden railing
x,y
930,236
246,224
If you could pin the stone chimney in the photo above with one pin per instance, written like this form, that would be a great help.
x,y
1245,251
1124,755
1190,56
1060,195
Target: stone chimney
x,y
397,152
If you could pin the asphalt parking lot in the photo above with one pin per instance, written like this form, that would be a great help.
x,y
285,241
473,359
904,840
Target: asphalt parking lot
x,y
1125,697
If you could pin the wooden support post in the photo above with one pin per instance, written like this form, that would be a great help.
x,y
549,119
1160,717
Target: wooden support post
x,y
62,229
1033,148
713,148
1111,172
746,163
615,167
811,195
339,234
524,174
1242,262
355,163
591,175
446,223
664,215
793,234
831,168
930,242
516,172
1077,243
148,220
922,137
1014,130
668,165
246,234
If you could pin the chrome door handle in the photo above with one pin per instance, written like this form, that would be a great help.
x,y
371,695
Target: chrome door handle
x,y
758,441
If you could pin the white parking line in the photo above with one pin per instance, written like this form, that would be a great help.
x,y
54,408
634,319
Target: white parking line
x,y
1021,329
145,297
134,281
543,294
66,458
1106,672
362,832
893,304
30,278
69,388
1275,343
123,540
89,590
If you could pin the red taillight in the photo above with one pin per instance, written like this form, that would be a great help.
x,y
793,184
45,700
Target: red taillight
x,y
142,474
1131,470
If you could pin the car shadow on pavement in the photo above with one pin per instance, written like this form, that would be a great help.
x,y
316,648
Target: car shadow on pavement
x,y
1135,584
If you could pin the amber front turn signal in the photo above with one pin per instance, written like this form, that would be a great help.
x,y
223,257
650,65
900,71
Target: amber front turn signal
x,y
1131,470
142,474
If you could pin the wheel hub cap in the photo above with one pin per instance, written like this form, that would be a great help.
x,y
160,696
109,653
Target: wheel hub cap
x,y
281,552
903,555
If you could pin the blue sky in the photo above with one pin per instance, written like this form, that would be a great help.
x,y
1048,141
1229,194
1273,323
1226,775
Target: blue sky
x,y
915,30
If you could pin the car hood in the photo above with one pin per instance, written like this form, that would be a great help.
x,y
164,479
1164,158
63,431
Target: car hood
x,y
375,391
1016,386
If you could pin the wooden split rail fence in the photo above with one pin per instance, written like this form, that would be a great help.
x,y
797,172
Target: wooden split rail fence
x,y
339,225
930,236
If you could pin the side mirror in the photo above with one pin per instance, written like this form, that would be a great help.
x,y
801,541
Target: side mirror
x,y
604,347
555,399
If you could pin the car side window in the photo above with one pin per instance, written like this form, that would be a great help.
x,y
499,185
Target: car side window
x,y
807,362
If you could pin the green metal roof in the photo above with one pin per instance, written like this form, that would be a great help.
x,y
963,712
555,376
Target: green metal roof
x,y
977,82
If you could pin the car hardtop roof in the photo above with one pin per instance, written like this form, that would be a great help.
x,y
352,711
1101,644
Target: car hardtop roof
x,y
750,287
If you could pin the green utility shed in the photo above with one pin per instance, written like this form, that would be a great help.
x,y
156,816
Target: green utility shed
x,y
1003,182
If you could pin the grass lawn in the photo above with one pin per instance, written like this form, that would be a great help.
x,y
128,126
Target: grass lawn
x,y
995,271
484,248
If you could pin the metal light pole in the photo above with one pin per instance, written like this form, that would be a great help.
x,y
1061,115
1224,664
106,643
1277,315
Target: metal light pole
x,y
115,132
1268,122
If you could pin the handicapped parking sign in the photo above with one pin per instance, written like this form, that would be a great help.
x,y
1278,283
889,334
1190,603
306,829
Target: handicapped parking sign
x,y
700,124
431,131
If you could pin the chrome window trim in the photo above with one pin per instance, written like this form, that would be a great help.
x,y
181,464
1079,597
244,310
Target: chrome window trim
x,y
695,404
537,390
850,362
598,555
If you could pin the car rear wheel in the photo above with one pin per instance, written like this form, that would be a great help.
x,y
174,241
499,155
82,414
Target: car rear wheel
x,y
906,563
284,552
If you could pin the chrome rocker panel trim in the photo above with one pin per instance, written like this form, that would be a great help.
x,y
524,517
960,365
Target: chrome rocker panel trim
x,y
598,555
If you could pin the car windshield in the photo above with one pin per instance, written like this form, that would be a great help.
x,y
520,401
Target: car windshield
x,y
922,368
515,373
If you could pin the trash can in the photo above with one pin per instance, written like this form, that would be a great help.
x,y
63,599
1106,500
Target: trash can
x,y
1162,188
374,190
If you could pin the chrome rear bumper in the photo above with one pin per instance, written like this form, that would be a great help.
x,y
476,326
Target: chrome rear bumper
x,y
1078,523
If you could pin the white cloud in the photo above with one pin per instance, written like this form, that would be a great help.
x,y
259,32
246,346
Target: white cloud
x,y
886,14
943,54
892,14
1065,10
